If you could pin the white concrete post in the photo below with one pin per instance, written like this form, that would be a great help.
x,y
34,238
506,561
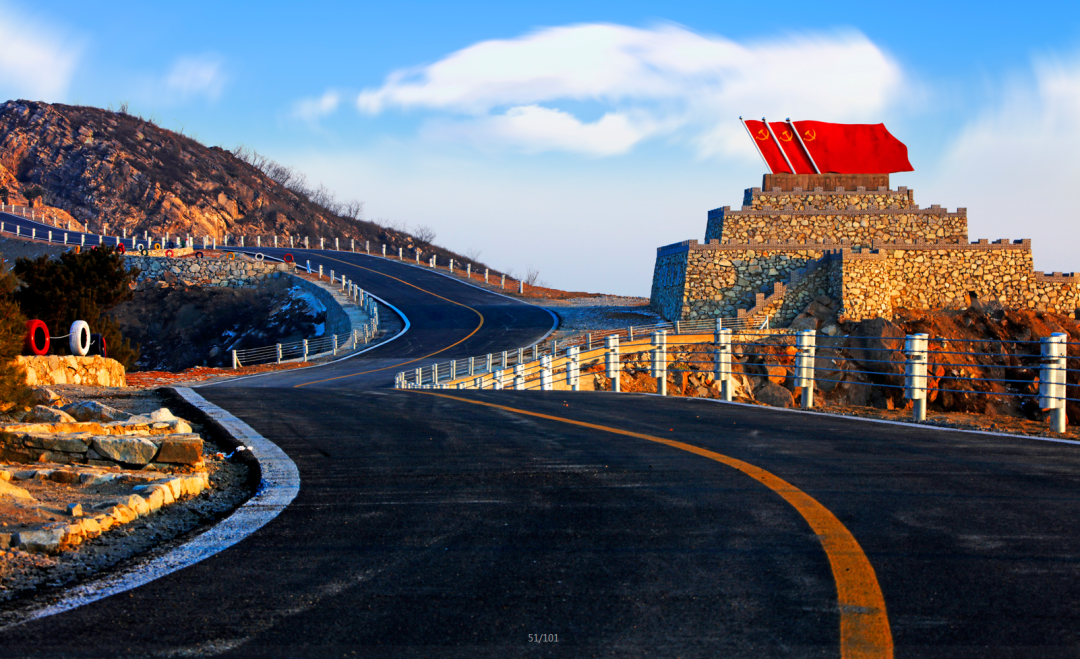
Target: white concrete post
x,y
472,366
488,363
331,276
453,369
322,243
1052,379
659,361
503,362
915,369
486,275
352,244
677,326
50,236
400,254
478,383
335,345
258,241
588,341
82,240
235,361
722,361
521,355
417,253
521,288
519,377
805,344
275,242
306,244
503,284
545,373
337,247
215,242
498,381
65,236
611,361
305,350
630,333
292,243
279,353
435,374
320,271
241,240
572,368
451,266
384,251
536,351
468,271
367,246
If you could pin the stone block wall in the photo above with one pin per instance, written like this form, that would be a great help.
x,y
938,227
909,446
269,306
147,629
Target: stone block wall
x,y
669,279
337,320
803,287
756,199
69,369
855,227
204,272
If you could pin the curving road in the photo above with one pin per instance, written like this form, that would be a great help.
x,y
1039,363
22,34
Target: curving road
x,y
473,524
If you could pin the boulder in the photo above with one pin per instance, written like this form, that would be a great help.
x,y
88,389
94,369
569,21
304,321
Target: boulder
x,y
774,395
91,410
47,540
44,396
9,492
42,414
803,322
180,451
126,449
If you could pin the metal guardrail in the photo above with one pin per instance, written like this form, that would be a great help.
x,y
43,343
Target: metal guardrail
x,y
438,374
1003,374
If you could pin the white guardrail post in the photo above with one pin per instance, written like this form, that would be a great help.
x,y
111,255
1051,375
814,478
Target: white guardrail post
x,y
659,361
545,373
572,366
1052,379
722,361
279,353
519,376
915,369
499,380
611,361
305,350
806,344
235,361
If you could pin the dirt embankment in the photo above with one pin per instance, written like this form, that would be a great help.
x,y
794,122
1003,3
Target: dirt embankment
x,y
179,326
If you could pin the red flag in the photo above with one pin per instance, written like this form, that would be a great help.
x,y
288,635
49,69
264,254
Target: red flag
x,y
790,143
767,145
853,148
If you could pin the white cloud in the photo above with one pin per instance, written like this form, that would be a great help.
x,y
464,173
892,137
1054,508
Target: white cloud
x,y
37,61
196,75
311,110
662,81
1015,166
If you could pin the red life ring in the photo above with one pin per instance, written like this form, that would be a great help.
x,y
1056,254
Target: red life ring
x,y
169,253
120,248
288,258
37,331
97,345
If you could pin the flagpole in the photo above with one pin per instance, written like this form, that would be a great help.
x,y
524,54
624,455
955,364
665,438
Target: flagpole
x,y
778,145
803,145
754,140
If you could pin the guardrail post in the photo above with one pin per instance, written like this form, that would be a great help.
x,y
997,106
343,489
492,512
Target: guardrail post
x,y
630,333
519,377
322,243
451,266
472,366
722,361
335,345
478,383
488,364
337,246
503,284
400,254
352,244
497,382
355,338
572,366
279,353
806,344
435,375
384,251
468,270
485,275
419,376
453,369
331,276
521,288
305,350
536,351
611,361
235,361
1052,379
503,363
659,361
320,271
915,368
545,373
677,326
588,341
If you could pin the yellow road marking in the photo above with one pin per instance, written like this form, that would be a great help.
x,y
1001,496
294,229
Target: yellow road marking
x,y
864,624
431,354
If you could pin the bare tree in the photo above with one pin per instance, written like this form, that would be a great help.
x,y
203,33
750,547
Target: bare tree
x,y
531,275
424,235
354,210
473,254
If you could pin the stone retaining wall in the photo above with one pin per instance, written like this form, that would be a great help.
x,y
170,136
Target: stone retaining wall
x,y
855,226
69,369
205,272
337,319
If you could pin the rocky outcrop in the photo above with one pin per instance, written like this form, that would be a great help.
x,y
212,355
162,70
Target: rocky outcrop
x,y
68,369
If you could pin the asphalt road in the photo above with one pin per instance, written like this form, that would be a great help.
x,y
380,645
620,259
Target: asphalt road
x,y
609,525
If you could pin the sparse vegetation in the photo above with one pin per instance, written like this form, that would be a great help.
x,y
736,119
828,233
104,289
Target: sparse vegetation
x,y
81,286
13,390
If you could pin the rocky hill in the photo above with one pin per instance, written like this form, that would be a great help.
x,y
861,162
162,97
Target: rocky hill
x,y
115,169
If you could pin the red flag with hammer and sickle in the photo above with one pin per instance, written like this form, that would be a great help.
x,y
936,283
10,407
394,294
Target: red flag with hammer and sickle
x,y
769,149
853,148
785,134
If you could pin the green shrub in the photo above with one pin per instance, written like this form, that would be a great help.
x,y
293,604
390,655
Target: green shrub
x,y
81,286
13,389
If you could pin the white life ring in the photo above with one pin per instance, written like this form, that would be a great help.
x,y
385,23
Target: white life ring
x,y
260,256
79,339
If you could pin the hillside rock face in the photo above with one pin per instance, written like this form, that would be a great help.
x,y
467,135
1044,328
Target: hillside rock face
x,y
107,168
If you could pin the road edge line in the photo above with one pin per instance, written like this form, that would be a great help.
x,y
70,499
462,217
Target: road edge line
x,y
279,483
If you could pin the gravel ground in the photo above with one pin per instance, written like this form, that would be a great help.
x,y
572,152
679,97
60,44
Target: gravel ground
x,y
586,314
24,575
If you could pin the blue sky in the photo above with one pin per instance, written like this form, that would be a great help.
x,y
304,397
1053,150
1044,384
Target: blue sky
x,y
577,137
